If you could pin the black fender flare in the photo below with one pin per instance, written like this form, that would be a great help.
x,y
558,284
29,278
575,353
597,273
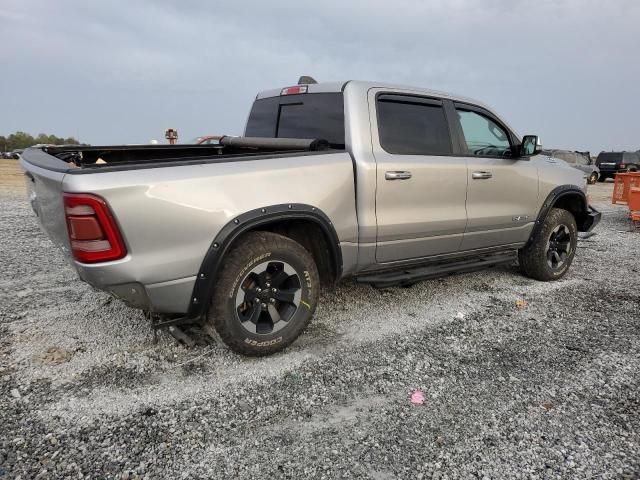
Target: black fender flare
x,y
205,280
556,194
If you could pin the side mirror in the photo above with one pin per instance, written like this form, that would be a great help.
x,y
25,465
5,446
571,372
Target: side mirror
x,y
531,145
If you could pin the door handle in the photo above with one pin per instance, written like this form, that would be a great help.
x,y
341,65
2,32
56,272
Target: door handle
x,y
481,175
397,175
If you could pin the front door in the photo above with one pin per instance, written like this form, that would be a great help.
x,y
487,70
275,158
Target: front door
x,y
421,185
502,196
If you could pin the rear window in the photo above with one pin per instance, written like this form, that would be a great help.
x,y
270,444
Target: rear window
x,y
308,115
609,157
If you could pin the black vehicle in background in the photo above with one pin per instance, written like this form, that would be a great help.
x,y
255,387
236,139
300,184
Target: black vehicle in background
x,y
611,163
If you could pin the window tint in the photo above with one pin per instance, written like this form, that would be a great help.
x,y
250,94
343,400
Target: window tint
x,y
609,157
308,115
413,128
483,136
263,118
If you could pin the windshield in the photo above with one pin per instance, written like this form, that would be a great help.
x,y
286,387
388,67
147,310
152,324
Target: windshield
x,y
313,116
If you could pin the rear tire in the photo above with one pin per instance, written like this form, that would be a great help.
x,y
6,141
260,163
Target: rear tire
x,y
265,294
593,178
551,251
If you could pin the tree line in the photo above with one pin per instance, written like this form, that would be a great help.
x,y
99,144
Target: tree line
x,y
25,140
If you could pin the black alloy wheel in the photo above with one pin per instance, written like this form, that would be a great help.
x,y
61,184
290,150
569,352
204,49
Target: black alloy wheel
x,y
268,297
558,247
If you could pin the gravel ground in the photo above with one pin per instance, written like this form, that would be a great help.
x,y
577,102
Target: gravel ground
x,y
521,379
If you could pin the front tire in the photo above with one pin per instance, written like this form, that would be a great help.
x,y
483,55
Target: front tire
x,y
551,251
265,294
593,178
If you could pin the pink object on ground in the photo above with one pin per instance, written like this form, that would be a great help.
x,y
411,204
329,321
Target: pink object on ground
x,y
417,397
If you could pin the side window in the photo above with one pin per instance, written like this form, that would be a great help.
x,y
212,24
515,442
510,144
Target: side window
x,y
483,136
630,157
583,159
408,128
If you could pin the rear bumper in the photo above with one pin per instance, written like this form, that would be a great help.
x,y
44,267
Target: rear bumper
x,y
612,171
165,297
590,219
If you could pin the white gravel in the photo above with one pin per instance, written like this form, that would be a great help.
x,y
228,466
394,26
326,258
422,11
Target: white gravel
x,y
546,391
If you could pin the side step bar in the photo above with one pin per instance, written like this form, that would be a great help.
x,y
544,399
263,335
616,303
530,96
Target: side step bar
x,y
409,276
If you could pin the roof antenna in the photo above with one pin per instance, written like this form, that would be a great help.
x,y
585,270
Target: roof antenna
x,y
305,80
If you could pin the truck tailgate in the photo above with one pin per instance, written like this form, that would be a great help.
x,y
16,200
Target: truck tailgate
x,y
44,190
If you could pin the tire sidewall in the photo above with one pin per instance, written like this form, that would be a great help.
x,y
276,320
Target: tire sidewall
x,y
565,219
308,300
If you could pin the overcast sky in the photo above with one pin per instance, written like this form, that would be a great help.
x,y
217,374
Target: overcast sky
x,y
121,71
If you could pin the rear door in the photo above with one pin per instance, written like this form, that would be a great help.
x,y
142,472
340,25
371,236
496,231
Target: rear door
x,y
502,195
421,184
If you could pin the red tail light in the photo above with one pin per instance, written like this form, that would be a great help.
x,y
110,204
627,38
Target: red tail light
x,y
93,232
294,90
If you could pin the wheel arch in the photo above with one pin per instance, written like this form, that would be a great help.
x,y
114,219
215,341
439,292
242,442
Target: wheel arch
x,y
566,197
305,224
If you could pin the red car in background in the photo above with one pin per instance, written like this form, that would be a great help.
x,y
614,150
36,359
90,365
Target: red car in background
x,y
207,140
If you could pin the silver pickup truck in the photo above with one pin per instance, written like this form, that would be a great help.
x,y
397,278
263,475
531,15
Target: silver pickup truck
x,y
389,185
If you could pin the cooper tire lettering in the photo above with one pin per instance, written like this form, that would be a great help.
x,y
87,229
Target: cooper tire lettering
x,y
266,343
254,308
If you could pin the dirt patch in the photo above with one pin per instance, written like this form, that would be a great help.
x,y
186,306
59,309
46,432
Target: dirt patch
x,y
54,356
11,176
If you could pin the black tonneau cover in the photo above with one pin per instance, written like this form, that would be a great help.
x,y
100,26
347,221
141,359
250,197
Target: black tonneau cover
x,y
120,155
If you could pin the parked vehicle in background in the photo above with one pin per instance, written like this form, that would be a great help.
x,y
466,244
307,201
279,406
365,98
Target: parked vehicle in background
x,y
206,140
580,160
611,163
388,184
16,153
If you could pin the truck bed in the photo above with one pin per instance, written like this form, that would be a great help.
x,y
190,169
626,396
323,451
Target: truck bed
x,y
72,157
170,202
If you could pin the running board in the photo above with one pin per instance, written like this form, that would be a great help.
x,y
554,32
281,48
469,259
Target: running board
x,y
409,276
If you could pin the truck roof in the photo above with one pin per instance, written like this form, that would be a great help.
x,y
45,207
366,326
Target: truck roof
x,y
364,86
328,87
